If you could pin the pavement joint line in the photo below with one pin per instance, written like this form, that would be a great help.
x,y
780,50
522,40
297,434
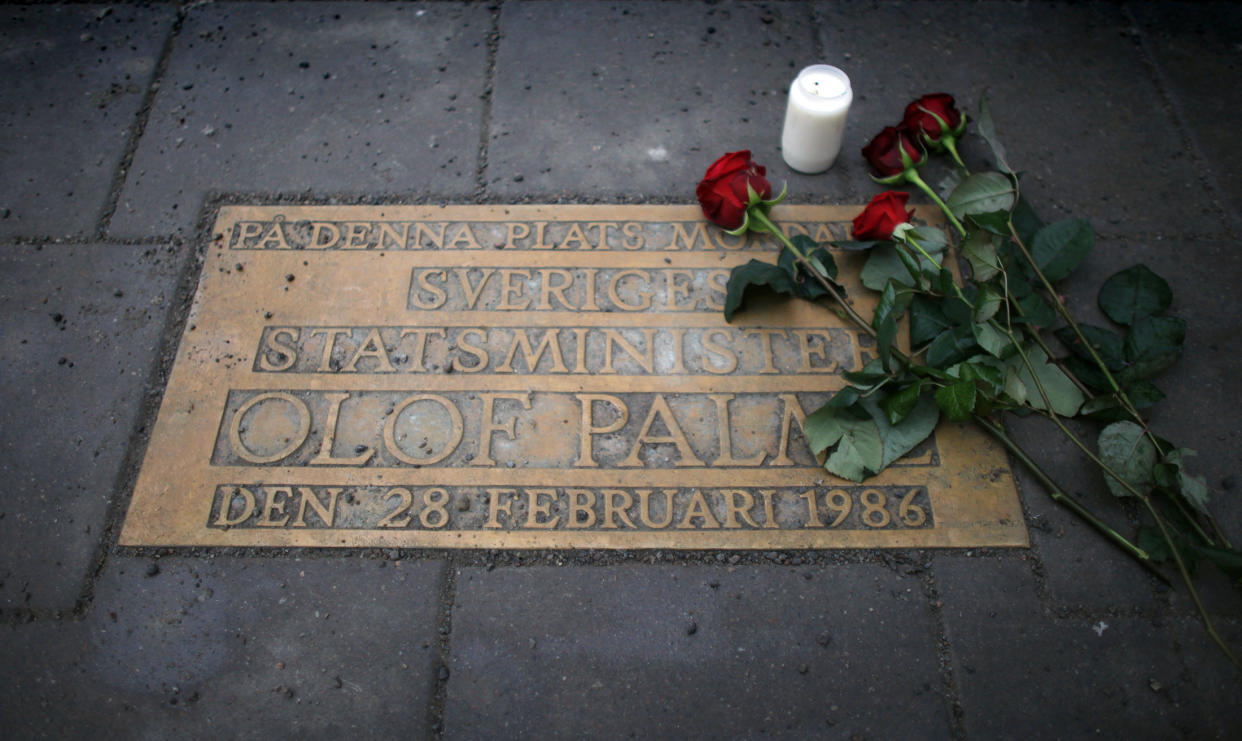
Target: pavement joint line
x,y
93,241
944,653
156,375
485,117
139,126
440,676
817,41
1042,592
278,199
1185,134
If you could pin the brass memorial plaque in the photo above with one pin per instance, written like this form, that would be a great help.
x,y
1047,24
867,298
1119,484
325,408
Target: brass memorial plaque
x,y
525,377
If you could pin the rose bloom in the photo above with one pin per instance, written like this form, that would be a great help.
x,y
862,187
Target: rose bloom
x,y
723,192
919,117
884,151
885,212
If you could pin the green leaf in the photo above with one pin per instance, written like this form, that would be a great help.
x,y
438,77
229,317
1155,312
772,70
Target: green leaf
x,y
822,429
1125,448
1036,310
897,406
1133,294
960,313
804,243
1025,221
1152,541
951,180
929,372
1107,343
981,193
1143,393
927,321
1192,488
885,324
1227,560
957,401
996,222
987,303
979,249
859,450
1065,397
992,340
804,284
931,239
902,437
743,279
1061,246
842,399
990,375
987,130
1153,344
951,347
1102,406
872,373
884,264
1014,387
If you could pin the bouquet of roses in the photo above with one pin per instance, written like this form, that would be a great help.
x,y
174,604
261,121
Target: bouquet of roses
x,y
982,346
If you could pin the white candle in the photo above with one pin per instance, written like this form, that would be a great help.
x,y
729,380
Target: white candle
x,y
819,100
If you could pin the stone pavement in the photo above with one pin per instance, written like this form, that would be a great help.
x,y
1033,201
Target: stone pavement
x,y
126,125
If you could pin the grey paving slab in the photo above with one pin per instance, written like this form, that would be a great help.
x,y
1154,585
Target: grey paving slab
x,y
74,78
81,328
1195,53
317,98
693,652
1022,673
634,100
232,648
1072,99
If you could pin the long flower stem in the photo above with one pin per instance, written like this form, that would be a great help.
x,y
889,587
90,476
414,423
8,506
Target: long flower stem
x,y
1058,495
1190,586
912,175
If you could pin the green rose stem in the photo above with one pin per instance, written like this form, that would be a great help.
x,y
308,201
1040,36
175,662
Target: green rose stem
x,y
1058,495
1051,414
912,175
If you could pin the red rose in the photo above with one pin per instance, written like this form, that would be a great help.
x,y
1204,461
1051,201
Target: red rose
x,y
878,220
724,192
885,151
933,116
